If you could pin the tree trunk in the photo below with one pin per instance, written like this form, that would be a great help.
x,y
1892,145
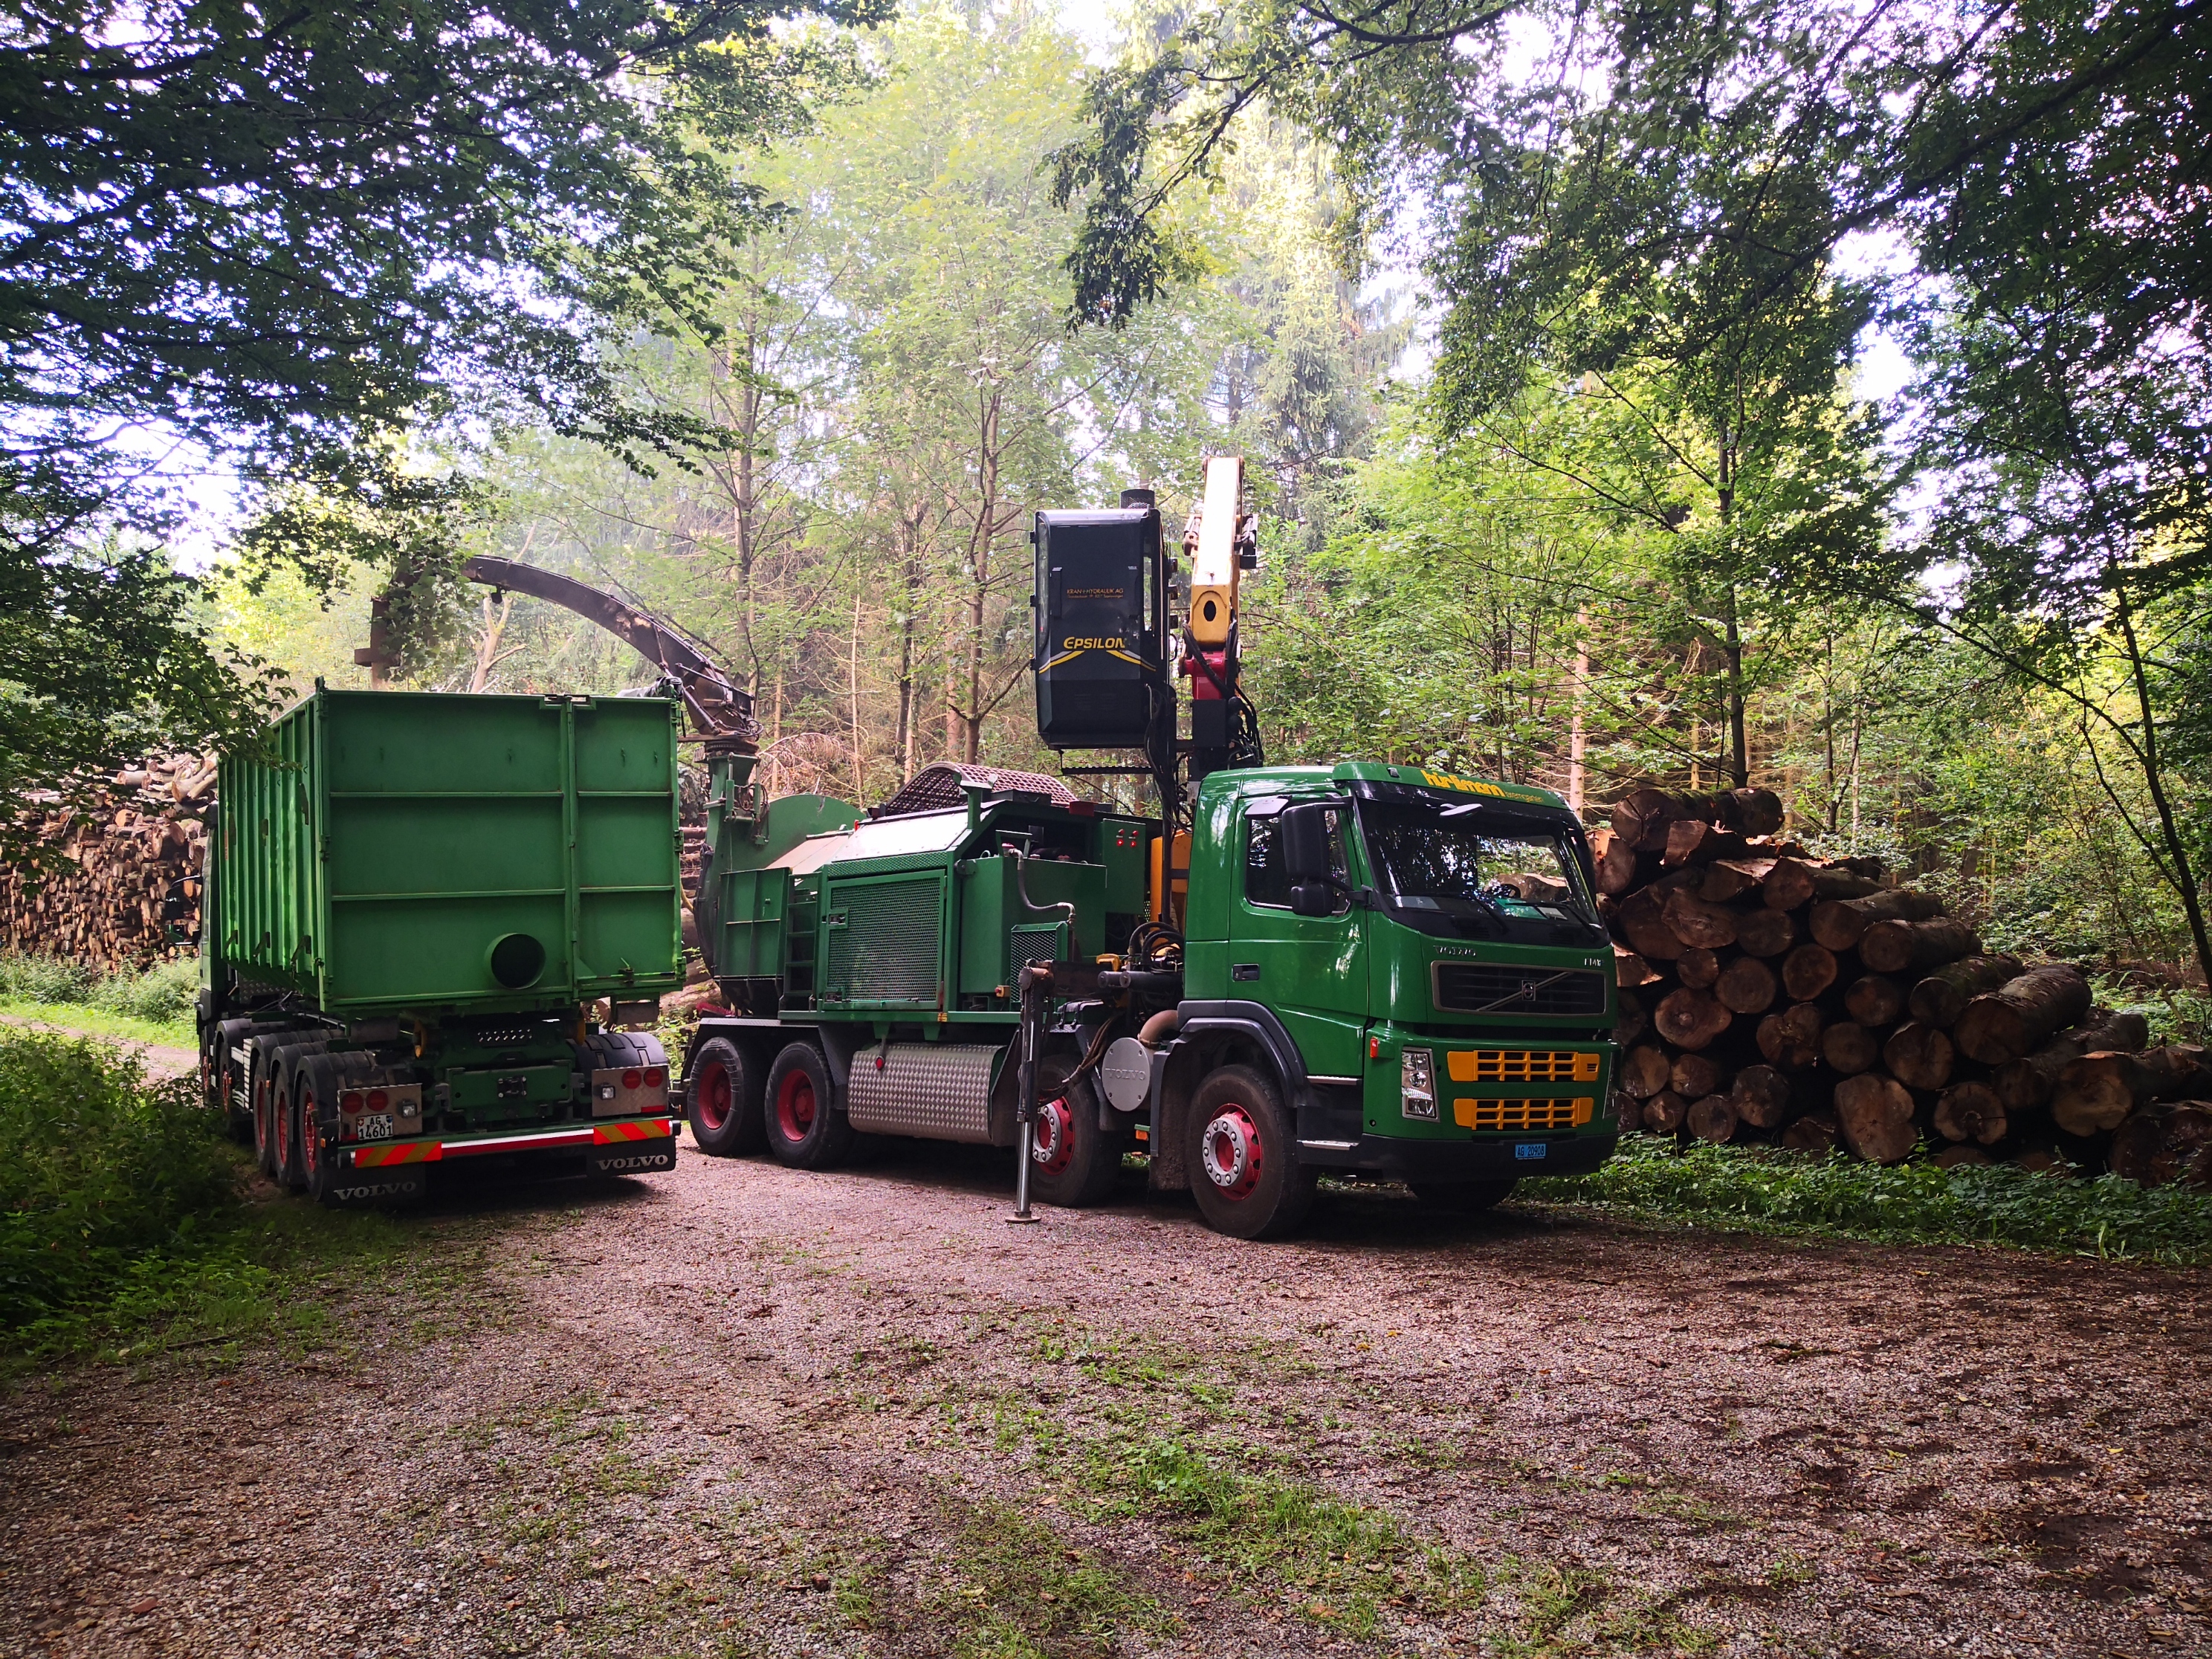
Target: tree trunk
x,y
1727,881
1788,885
1629,971
1761,1094
2024,1085
1697,923
1695,1076
1849,1048
1691,842
1639,917
2007,1022
1918,1056
1664,1112
1698,969
1714,1119
1875,1115
1971,1111
1690,1019
1807,971
2097,1091
1941,998
1644,1072
1815,1132
1897,947
1873,1001
1746,985
1791,1039
1840,924
1765,932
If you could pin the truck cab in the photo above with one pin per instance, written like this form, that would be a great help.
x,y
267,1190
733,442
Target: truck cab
x,y
1410,964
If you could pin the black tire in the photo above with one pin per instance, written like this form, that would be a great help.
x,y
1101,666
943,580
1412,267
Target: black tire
x,y
261,1107
1238,1111
314,1087
226,1079
1462,1197
801,1119
1074,1163
723,1098
294,1156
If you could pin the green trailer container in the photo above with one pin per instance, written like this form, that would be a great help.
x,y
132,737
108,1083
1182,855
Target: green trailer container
x,y
431,893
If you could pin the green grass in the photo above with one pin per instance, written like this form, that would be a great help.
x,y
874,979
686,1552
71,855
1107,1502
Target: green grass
x,y
1765,1190
123,1229
98,1022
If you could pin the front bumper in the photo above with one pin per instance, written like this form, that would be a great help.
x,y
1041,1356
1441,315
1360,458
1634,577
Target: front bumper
x,y
1500,1159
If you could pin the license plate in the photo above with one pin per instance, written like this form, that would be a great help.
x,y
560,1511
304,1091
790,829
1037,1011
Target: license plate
x,y
1531,1149
372,1126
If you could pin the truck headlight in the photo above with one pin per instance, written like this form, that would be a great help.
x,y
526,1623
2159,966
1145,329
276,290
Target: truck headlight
x,y
1417,1085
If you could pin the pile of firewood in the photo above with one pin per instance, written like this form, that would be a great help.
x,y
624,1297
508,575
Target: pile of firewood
x,y
1767,995
124,889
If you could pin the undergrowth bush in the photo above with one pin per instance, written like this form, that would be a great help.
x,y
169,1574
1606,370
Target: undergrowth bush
x,y
27,978
164,994
98,1169
1768,1190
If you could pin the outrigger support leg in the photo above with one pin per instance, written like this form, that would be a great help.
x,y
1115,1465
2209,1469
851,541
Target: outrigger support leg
x,y
1037,993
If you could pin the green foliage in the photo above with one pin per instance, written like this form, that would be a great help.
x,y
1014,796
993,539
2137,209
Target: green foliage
x,y
162,994
98,1171
1761,1190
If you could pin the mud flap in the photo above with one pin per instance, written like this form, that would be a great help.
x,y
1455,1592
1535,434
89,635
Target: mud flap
x,y
374,1189
633,1157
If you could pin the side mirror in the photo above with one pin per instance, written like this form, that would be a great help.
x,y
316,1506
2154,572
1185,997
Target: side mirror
x,y
1312,898
1304,836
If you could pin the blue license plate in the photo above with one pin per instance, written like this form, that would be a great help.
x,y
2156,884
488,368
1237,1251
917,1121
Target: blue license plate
x,y
1531,1149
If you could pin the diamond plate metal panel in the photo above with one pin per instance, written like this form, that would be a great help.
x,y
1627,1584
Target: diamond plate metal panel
x,y
935,1091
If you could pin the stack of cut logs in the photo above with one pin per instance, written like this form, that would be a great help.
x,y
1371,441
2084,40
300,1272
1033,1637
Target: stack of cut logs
x,y
126,882
1766,994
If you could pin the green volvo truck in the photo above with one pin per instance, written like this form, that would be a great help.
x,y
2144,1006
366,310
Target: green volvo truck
x,y
1283,971
424,918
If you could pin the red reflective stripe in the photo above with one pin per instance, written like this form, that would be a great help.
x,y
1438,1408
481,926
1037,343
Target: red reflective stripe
x,y
404,1151
649,1129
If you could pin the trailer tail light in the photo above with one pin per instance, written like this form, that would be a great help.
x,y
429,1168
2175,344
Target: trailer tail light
x,y
629,1091
633,1078
655,1078
378,1101
350,1100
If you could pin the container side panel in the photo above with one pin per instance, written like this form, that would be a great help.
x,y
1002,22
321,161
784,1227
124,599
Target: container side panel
x,y
626,841
625,939
754,905
415,744
625,744
438,949
394,844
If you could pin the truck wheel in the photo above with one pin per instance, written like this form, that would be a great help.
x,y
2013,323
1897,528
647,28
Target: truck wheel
x,y
261,1092
1074,1162
724,1096
294,1153
1462,1197
1244,1171
313,1083
802,1124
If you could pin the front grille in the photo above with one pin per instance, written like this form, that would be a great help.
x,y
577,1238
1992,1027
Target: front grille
x,y
1519,1116
1467,988
1521,1066
887,951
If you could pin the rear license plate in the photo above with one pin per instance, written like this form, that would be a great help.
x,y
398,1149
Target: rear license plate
x,y
372,1126
1531,1149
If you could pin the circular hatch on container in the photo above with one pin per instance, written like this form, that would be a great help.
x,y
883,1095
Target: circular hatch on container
x,y
516,960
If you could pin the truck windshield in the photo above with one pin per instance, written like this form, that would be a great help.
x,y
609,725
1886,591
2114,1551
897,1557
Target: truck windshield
x,y
1477,869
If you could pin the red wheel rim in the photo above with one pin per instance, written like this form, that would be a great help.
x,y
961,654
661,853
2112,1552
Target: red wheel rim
x,y
714,1098
310,1142
1231,1153
261,1138
1054,1149
794,1106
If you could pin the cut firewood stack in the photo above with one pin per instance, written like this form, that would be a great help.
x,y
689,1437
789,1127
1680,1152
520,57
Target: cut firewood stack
x,y
123,891
1767,995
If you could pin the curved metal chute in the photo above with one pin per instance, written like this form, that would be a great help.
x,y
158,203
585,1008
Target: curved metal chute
x,y
720,707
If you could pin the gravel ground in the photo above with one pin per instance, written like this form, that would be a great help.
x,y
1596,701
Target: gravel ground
x,y
741,1411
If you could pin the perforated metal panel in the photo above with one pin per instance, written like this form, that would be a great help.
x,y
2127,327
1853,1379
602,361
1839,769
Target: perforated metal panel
x,y
1034,943
936,1090
885,948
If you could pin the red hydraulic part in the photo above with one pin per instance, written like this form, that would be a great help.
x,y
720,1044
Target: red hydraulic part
x,y
1230,1152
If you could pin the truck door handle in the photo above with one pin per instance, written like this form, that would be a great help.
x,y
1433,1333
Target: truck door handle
x,y
1244,970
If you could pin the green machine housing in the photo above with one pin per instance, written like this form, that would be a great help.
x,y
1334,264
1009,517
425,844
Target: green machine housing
x,y
417,898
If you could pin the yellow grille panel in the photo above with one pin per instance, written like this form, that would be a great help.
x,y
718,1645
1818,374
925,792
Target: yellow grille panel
x,y
1523,1114
1521,1066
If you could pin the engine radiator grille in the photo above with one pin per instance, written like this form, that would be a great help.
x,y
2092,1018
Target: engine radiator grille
x,y
886,950
1467,988
1492,1116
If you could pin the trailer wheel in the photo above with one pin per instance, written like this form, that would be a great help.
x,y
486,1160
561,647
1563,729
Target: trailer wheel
x,y
1462,1197
313,1082
724,1100
1243,1164
803,1125
261,1104
1074,1162
296,1154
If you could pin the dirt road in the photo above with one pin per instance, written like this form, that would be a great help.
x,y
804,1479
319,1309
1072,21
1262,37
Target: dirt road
x,y
739,1411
